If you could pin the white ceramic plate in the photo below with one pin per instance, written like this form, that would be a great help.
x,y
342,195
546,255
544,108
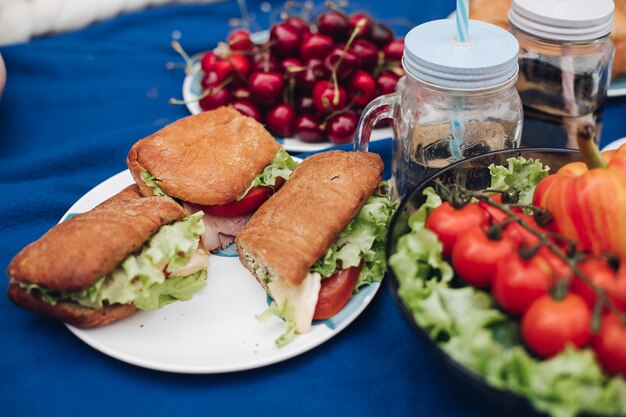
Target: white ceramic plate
x,y
214,332
615,144
617,88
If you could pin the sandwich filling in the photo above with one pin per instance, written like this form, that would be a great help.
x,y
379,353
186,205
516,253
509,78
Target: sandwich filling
x,y
220,231
169,267
362,240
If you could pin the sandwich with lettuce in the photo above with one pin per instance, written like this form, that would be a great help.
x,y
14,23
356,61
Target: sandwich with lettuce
x,y
129,253
319,238
219,162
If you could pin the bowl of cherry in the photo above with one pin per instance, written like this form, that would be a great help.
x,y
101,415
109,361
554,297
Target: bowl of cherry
x,y
307,82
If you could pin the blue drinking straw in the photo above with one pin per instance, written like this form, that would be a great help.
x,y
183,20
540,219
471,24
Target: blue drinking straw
x,y
462,19
456,119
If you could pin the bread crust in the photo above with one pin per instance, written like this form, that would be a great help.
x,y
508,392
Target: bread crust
x,y
69,312
208,159
295,227
74,254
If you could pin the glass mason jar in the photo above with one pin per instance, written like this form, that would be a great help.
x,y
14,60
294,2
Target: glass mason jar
x,y
565,62
442,116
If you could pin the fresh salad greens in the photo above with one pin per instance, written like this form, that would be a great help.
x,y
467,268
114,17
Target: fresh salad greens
x,y
466,324
281,166
140,279
151,181
363,239
519,173
286,313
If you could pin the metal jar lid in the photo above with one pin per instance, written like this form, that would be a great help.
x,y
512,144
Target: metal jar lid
x,y
433,54
563,20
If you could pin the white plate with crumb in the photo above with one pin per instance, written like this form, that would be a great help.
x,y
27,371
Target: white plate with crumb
x,y
217,330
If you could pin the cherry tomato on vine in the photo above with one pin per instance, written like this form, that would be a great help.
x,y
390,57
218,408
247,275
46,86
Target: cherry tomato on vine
x,y
513,230
602,275
549,324
476,255
449,223
610,345
519,282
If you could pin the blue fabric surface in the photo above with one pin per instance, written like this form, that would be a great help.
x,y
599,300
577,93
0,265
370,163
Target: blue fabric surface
x,y
73,106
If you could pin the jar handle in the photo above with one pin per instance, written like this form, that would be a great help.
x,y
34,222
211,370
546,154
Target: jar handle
x,y
379,108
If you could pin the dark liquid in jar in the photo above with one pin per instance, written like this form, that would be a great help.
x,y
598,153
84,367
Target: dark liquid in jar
x,y
409,169
547,130
547,112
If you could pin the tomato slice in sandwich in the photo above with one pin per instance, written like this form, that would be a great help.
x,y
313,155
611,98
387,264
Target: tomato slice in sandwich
x,y
248,204
336,291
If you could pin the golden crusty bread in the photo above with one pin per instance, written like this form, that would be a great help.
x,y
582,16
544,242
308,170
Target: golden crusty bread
x,y
69,312
496,12
209,158
295,227
76,253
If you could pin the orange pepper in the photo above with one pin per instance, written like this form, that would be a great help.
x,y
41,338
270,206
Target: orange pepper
x,y
588,199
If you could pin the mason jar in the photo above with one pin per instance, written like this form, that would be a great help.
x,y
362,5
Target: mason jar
x,y
456,100
565,62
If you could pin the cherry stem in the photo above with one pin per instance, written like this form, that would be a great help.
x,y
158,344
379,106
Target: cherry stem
x,y
188,62
333,77
339,111
545,241
208,92
590,152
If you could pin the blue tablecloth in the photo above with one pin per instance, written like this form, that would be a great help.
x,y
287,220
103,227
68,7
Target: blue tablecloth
x,y
73,106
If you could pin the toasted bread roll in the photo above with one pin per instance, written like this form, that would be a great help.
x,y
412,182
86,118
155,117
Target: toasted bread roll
x,y
295,227
208,158
69,312
74,254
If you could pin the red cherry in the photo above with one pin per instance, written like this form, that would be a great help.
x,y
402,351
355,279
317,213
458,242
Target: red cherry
x,y
280,120
355,18
367,52
208,59
299,24
286,39
394,50
304,104
340,128
316,46
266,87
307,79
264,62
307,128
239,40
324,98
290,63
215,98
217,73
386,83
362,88
247,108
380,35
240,64
348,66
333,24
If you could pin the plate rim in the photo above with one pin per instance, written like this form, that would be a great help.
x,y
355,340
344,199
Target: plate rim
x,y
248,364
